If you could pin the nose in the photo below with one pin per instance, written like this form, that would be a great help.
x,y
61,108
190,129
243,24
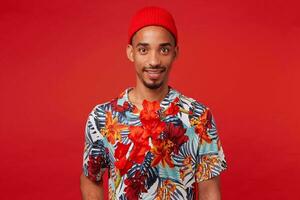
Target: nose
x,y
154,59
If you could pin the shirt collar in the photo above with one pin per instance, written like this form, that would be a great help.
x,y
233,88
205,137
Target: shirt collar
x,y
170,96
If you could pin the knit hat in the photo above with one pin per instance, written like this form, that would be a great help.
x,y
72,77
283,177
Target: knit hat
x,y
152,16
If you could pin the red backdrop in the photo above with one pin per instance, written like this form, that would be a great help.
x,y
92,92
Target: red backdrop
x,y
59,58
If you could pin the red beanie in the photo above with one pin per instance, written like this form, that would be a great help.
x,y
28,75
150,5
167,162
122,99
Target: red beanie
x,y
152,16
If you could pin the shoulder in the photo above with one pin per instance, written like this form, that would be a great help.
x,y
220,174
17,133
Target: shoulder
x,y
195,106
115,104
101,107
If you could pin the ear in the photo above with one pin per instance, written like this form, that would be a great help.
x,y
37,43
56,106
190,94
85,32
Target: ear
x,y
176,51
129,51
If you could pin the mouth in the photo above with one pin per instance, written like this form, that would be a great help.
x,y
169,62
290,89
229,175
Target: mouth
x,y
154,73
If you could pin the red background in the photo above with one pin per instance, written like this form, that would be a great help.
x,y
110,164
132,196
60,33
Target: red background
x,y
59,58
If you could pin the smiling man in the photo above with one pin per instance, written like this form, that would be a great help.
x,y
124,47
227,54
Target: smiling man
x,y
155,142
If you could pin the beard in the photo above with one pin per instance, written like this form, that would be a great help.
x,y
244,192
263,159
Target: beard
x,y
152,86
156,84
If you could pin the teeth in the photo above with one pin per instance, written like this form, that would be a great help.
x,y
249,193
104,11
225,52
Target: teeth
x,y
156,72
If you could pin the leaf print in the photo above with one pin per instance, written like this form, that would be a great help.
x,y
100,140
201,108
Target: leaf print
x,y
119,108
159,152
206,167
173,109
186,168
164,192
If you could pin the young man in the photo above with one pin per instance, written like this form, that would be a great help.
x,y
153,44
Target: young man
x,y
155,142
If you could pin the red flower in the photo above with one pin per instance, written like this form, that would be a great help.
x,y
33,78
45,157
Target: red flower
x,y
149,111
162,150
138,135
202,124
206,118
176,134
154,127
123,165
150,118
120,154
135,185
121,150
138,153
94,167
173,109
119,108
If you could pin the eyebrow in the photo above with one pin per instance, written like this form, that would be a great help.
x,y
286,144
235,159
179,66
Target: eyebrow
x,y
146,44
142,44
165,44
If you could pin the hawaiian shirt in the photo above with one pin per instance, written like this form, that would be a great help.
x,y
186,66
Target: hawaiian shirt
x,y
160,152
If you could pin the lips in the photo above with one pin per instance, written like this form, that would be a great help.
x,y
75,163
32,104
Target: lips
x,y
154,73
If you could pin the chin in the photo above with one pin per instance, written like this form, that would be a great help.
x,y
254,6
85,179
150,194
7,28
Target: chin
x,y
153,85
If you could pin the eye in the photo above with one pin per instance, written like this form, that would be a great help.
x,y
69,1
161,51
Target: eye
x,y
142,50
165,50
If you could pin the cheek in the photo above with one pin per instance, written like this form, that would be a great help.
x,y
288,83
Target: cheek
x,y
139,62
138,66
167,61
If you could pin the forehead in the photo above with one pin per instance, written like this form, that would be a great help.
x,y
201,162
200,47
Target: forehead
x,y
152,35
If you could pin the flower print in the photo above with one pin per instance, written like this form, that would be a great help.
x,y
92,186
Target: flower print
x,y
202,124
164,193
154,127
94,167
162,150
176,134
139,136
123,165
138,153
173,109
135,185
150,111
112,129
121,150
204,169
119,108
187,167
150,118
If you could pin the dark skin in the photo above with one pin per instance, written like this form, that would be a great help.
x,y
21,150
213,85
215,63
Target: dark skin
x,y
153,51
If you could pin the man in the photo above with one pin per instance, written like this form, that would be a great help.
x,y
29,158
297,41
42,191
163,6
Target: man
x,y
155,142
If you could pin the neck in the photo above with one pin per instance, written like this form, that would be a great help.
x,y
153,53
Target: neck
x,y
140,92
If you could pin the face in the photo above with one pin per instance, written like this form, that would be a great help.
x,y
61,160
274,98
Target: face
x,y
152,51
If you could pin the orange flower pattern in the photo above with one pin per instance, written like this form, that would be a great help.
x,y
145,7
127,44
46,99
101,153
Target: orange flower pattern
x,y
158,152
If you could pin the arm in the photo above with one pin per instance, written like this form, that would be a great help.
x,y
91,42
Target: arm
x,y
90,190
210,189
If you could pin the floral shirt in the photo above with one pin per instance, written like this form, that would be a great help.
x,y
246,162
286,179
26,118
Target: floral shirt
x,y
159,152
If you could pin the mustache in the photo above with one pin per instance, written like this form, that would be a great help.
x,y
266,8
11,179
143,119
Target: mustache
x,y
155,67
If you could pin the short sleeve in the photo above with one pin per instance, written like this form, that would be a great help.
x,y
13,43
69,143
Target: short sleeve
x,y
210,156
95,155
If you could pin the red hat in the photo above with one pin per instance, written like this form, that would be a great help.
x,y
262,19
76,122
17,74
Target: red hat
x,y
152,16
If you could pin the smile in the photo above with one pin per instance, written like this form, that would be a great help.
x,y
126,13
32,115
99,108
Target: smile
x,y
154,74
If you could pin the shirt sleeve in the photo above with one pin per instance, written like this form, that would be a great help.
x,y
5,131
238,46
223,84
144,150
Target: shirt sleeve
x,y
95,156
210,156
